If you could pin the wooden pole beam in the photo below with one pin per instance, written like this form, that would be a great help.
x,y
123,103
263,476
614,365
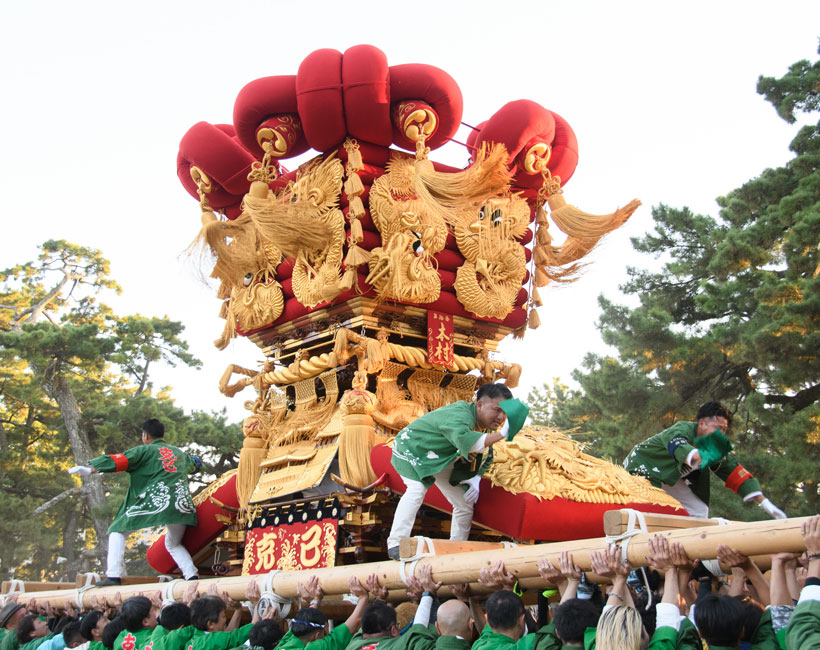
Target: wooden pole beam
x,y
749,538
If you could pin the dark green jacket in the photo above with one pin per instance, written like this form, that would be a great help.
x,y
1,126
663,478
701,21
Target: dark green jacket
x,y
661,458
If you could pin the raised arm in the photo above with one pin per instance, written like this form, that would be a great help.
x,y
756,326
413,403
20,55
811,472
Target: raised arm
x,y
731,557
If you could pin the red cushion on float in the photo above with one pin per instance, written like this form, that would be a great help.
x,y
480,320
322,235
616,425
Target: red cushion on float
x,y
366,93
515,124
434,86
524,516
206,530
564,158
449,259
285,269
370,239
260,100
319,98
215,150
472,138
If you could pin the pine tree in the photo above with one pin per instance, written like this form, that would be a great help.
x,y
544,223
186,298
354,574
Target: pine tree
x,y
75,383
729,312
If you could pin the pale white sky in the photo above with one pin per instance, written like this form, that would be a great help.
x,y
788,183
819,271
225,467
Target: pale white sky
x,y
96,96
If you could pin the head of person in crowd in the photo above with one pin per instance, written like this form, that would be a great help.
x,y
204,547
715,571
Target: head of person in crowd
x,y
151,430
719,619
31,627
92,625
379,619
405,613
454,619
711,416
265,634
309,624
621,628
175,616
488,413
111,632
572,618
208,614
11,615
72,634
505,614
138,613
752,612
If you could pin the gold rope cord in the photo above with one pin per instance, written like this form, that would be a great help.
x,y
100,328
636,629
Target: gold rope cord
x,y
546,463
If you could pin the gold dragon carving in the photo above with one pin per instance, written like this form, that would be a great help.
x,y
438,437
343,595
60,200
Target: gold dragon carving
x,y
488,282
403,268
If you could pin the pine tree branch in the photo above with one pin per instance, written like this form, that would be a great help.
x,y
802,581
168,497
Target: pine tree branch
x,y
55,500
798,401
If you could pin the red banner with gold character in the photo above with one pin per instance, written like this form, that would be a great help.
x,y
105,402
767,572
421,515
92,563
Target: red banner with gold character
x,y
291,546
440,341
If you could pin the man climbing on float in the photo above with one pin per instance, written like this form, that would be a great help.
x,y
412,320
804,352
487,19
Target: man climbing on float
x,y
157,496
445,447
675,460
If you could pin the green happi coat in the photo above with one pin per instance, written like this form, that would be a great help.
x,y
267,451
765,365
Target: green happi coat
x,y
336,639
661,459
418,637
178,639
803,632
435,441
139,640
158,493
489,640
218,640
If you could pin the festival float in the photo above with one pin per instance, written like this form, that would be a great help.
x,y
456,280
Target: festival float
x,y
378,284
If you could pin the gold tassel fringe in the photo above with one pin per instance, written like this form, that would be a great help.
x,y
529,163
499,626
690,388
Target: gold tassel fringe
x,y
577,223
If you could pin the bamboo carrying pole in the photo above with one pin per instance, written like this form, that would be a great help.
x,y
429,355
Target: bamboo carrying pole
x,y
752,538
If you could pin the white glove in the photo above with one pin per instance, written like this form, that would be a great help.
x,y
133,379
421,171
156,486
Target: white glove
x,y
82,470
772,510
505,429
471,495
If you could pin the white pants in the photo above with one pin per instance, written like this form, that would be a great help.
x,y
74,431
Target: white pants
x,y
173,544
411,500
691,503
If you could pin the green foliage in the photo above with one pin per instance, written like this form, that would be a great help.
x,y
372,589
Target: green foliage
x,y
729,311
52,329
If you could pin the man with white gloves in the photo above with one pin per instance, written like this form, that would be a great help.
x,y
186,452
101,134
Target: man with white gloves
x,y
677,458
158,495
444,447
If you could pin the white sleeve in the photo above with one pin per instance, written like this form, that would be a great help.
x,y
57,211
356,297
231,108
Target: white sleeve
x,y
668,615
423,611
812,592
752,495
479,444
689,460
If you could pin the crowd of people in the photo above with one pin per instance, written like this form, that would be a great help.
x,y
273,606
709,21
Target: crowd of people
x,y
677,605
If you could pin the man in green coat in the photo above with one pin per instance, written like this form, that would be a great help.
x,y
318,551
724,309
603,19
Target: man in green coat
x,y
443,447
676,459
157,496
803,632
